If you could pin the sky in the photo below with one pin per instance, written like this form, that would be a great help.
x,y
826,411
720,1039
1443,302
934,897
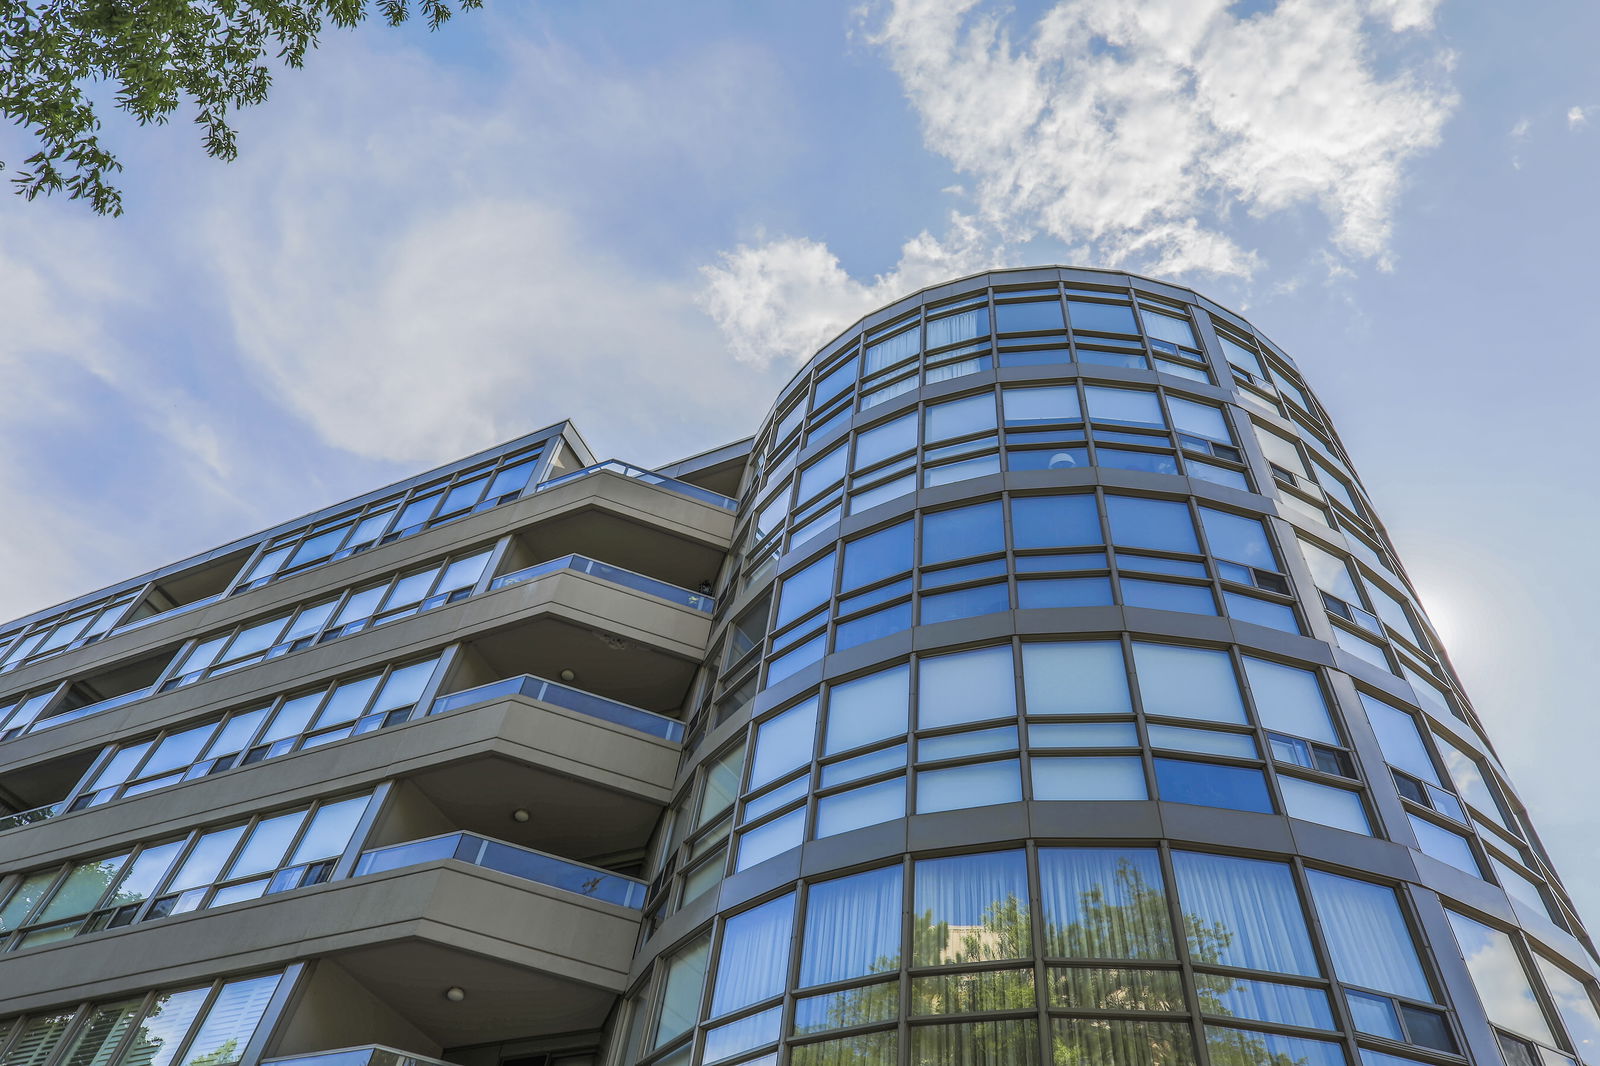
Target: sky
x,y
643,216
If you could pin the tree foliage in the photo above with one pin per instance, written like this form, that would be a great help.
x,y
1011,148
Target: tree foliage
x,y
154,54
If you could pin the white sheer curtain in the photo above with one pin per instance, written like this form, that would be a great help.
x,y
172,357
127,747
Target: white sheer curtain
x,y
1243,912
971,908
754,961
1086,1042
852,927
1367,936
1002,1043
1104,903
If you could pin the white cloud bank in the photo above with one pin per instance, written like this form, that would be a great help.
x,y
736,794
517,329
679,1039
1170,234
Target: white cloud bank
x,y
1129,133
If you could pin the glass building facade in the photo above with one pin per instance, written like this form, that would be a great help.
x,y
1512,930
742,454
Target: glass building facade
x,y
1037,686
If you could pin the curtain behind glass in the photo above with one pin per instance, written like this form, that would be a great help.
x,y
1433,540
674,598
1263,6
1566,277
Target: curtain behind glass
x,y
680,998
852,927
1367,936
1104,903
1243,912
754,961
971,908
1007,1043
1085,1042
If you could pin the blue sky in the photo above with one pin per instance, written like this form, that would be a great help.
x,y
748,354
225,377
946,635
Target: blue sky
x,y
640,216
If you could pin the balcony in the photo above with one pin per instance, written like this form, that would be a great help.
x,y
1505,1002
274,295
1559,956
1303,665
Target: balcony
x,y
683,597
525,863
573,699
649,477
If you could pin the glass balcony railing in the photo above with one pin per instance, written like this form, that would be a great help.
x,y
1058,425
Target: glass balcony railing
x,y
91,708
39,814
510,859
367,1055
699,601
573,699
649,477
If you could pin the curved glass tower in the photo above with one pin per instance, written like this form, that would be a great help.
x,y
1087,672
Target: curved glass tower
x,y
1067,704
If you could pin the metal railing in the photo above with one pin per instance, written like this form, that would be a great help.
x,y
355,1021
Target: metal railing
x,y
573,699
510,859
698,601
40,814
649,477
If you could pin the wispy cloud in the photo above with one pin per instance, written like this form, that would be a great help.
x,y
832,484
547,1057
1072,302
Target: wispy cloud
x,y
1130,135
1577,116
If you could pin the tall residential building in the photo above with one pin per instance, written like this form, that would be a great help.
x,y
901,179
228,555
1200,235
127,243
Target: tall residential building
x,y
1036,686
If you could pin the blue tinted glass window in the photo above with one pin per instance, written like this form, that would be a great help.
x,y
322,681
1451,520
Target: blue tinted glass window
x,y
1123,405
1039,593
1054,521
1201,419
1188,683
965,531
852,927
891,438
1102,318
1367,935
867,709
1160,524
882,623
1243,912
1029,317
961,326
1206,784
1043,403
822,473
965,603
876,556
1167,596
973,785
1240,1045
1261,612
1289,700
969,686
1167,328
893,350
1077,677
784,742
805,589
836,380
1238,539
755,955
958,418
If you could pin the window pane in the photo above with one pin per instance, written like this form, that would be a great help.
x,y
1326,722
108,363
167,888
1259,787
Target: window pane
x,y
206,859
961,326
1289,700
754,962
1124,1043
1239,1047
962,532
971,993
1054,521
680,994
1444,845
1033,317
145,873
1264,1001
804,589
404,686
1101,988
97,1040
1081,677
231,1021
22,900
1367,935
1123,405
867,709
1161,524
267,844
876,556
891,438
784,742
971,908
1238,539
1168,596
82,889
1243,912
855,1006
959,418
1400,739
179,749
1089,777
1502,983
892,350
1104,903
1236,788
330,829
821,473
774,838
1102,318
1188,683
161,1030
1041,404
1337,807
722,784
1004,1043
750,1031
38,1040
1167,328
868,1049
860,807
1575,1007
347,701
968,686
974,785
1201,419
852,927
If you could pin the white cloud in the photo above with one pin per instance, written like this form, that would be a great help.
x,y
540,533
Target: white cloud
x,y
1133,134
450,290
1576,116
